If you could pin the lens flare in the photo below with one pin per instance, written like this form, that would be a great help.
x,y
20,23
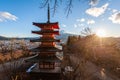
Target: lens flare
x,y
101,33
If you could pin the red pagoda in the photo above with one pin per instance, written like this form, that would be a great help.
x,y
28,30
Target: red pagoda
x,y
46,64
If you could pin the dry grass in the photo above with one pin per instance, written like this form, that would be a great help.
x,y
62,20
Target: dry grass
x,y
103,54
7,57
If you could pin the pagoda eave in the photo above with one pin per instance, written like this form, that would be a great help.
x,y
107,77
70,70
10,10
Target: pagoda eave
x,y
42,25
45,76
46,32
42,51
38,59
45,40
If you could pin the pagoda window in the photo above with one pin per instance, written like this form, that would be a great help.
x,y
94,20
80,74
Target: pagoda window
x,y
46,65
57,64
41,65
51,65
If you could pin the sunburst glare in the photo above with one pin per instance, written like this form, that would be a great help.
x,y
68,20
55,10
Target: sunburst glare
x,y
101,33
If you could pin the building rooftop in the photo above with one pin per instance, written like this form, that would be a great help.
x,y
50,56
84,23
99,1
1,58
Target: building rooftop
x,y
46,49
45,40
43,59
42,25
46,32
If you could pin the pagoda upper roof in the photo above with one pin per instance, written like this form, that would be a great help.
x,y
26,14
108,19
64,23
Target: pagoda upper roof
x,y
41,25
40,59
46,49
45,40
46,32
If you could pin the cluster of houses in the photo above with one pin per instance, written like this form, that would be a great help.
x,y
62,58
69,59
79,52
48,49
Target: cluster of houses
x,y
8,45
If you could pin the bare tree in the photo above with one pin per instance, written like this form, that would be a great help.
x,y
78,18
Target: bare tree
x,y
11,69
87,32
56,4
68,3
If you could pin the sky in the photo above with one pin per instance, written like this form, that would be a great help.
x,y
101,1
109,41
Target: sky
x,y
16,17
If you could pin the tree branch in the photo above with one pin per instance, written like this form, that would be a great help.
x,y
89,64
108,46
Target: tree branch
x,y
44,3
69,7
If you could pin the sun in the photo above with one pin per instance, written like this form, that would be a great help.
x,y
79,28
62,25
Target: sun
x,y
101,33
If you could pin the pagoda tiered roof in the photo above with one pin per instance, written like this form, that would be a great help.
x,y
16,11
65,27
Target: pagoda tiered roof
x,y
43,59
46,32
45,40
45,75
42,25
47,61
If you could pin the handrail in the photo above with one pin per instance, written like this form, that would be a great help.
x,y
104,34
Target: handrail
x,y
30,69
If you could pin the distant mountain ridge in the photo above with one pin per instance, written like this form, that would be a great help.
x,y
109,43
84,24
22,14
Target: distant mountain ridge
x,y
63,36
8,38
3,38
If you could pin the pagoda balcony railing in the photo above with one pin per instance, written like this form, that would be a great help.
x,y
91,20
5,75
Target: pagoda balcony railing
x,y
48,37
48,28
51,36
53,45
47,57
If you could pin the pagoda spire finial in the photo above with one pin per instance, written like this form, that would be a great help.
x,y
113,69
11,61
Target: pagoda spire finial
x,y
48,14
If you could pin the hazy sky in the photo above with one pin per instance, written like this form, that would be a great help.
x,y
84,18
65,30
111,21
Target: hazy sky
x,y
16,17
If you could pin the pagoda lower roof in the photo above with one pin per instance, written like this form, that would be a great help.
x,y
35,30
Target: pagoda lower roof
x,y
41,59
37,74
46,32
45,40
42,25
46,49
